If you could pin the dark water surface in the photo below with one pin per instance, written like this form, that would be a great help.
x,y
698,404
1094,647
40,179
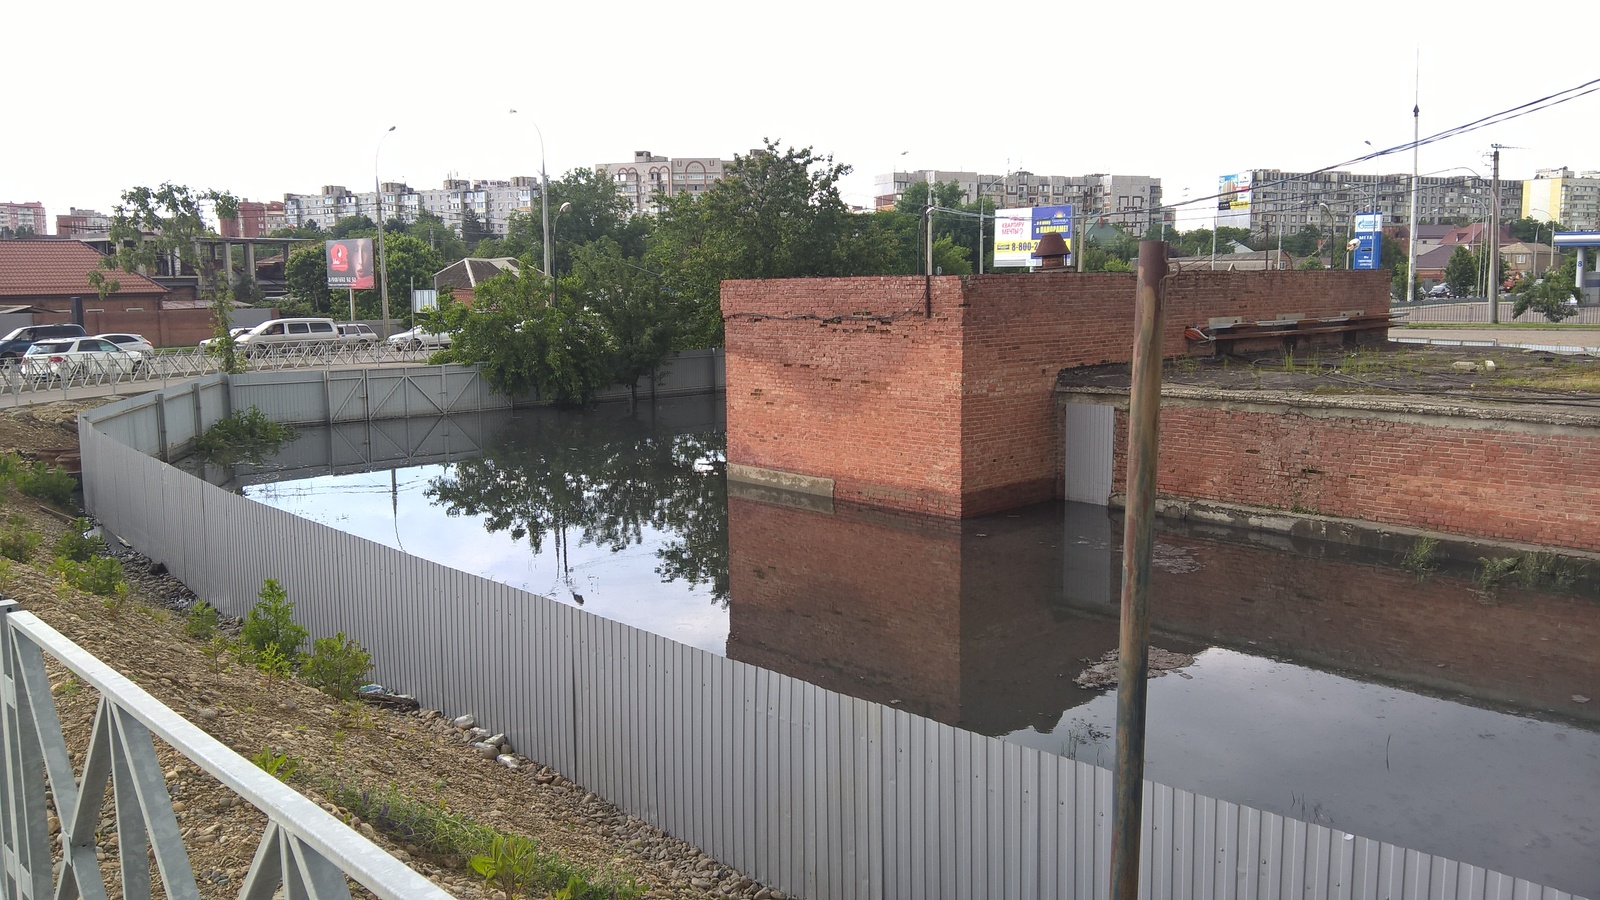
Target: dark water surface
x,y
1327,684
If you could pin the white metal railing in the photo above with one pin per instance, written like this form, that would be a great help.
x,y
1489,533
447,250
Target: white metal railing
x,y
304,851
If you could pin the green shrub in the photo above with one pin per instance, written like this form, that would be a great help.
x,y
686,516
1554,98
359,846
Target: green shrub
x,y
281,766
18,542
202,621
271,623
46,483
101,575
337,666
1420,559
77,545
243,435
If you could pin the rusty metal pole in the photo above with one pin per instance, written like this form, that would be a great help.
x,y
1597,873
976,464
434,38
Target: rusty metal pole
x,y
1144,407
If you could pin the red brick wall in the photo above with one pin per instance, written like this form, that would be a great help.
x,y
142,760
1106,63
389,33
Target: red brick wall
x,y
954,414
1501,480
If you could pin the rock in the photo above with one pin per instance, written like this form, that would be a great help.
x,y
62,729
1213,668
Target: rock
x,y
206,712
763,894
1464,366
544,778
495,739
700,883
487,751
368,832
1579,698
507,760
478,734
466,721
505,747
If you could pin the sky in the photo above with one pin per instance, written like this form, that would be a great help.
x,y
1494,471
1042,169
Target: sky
x,y
267,100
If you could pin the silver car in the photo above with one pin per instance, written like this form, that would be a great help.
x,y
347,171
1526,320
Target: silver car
x,y
77,359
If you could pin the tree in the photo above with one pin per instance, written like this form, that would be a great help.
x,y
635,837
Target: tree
x,y
311,231
1461,272
432,230
473,230
775,214
639,315
353,226
1552,295
306,278
152,225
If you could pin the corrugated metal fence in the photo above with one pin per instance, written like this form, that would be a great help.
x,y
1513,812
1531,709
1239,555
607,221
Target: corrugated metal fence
x,y
816,793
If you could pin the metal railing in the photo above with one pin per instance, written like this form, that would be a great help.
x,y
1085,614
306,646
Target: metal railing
x,y
306,852
1475,311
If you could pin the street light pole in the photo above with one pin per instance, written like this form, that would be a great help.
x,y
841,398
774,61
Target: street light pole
x,y
383,266
544,198
559,213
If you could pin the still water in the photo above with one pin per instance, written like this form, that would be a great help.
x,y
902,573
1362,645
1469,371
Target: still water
x,y
1326,684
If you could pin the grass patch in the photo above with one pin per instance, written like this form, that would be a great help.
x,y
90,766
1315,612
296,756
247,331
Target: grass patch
x,y
1421,560
244,436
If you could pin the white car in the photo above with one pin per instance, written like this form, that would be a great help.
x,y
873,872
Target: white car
x,y
419,339
210,342
357,333
77,358
133,343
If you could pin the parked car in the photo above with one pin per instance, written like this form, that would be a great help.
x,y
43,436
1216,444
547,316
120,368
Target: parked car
x,y
70,358
1440,291
210,342
419,339
298,333
15,344
357,333
132,343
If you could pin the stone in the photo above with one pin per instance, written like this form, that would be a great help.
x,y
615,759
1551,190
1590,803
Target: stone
x,y
507,760
368,832
701,883
466,721
206,712
486,751
763,894
495,739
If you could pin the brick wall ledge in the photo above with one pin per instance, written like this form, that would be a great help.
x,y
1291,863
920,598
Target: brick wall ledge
x,y
1396,539
1371,405
777,478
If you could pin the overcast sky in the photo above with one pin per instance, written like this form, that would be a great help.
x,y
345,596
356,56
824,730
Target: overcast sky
x,y
286,97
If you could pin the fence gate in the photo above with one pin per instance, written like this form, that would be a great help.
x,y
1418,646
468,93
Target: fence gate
x,y
1088,451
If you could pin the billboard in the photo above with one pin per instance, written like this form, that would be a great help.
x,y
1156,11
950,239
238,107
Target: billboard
x,y
1369,246
1017,232
1233,201
350,263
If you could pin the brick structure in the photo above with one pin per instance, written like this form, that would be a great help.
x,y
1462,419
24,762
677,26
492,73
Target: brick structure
x,y
847,379
1505,474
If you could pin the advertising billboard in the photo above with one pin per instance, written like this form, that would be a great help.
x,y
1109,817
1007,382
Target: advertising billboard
x,y
350,263
1233,201
1369,249
1017,232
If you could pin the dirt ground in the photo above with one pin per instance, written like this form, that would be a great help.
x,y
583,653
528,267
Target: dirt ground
x,y
357,745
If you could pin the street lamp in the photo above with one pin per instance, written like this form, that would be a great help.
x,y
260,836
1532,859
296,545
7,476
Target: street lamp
x,y
544,197
565,208
1327,218
383,267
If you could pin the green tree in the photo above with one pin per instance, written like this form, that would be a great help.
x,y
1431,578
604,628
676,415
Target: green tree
x,y
1461,272
473,231
1551,295
353,226
311,231
432,230
775,214
306,278
151,226
640,316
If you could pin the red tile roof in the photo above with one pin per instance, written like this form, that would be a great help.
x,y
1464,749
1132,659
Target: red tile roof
x,y
59,269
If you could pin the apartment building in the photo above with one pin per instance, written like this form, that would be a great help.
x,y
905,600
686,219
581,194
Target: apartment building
x,y
1277,200
491,200
645,177
1559,195
1132,202
17,216
79,222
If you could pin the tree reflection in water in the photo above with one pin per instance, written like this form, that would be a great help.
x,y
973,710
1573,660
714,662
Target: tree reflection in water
x,y
608,478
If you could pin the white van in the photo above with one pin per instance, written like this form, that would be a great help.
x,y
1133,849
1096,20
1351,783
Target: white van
x,y
279,334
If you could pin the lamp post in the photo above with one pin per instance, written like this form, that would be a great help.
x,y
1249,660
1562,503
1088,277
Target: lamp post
x,y
544,198
1327,218
565,208
383,266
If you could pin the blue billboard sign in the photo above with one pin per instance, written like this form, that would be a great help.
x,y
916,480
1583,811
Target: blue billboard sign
x,y
1369,241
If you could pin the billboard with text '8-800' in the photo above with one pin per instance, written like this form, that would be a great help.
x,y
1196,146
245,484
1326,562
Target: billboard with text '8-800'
x,y
1017,232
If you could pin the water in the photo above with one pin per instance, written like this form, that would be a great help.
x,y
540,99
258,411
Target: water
x,y
1327,685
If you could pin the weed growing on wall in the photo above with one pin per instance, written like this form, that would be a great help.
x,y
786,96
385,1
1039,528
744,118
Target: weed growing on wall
x,y
1419,560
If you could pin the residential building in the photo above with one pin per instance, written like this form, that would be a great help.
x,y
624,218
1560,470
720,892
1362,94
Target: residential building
x,y
1289,201
647,175
463,276
49,275
1132,202
255,219
81,222
1557,195
492,201
17,216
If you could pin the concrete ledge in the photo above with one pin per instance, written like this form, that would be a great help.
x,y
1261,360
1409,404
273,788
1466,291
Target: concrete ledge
x,y
761,493
776,478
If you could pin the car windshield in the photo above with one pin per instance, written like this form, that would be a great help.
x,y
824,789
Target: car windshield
x,y
49,347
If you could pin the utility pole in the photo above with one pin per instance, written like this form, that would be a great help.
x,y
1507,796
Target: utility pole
x,y
1411,239
1494,240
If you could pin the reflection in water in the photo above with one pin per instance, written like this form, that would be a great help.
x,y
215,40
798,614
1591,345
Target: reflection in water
x,y
1329,685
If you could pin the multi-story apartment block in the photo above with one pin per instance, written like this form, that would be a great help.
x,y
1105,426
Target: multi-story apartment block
x,y
80,222
1557,195
646,176
256,219
492,201
17,216
1289,201
1132,202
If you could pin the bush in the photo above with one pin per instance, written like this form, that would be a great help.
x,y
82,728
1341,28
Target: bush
x,y
337,666
77,545
244,435
101,575
48,484
271,623
202,621
18,542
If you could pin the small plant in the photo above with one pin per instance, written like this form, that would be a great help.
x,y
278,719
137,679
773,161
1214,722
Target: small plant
x,y
201,623
272,663
508,865
1547,570
337,666
5,575
271,622
48,484
101,575
1419,560
69,687
426,825
359,716
1493,571
245,435
281,766
77,544
19,542
218,649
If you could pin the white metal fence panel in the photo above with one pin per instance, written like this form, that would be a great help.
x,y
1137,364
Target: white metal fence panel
x,y
822,795
1088,445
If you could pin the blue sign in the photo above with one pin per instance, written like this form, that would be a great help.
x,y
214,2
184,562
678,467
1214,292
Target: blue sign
x,y
1053,218
1369,246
